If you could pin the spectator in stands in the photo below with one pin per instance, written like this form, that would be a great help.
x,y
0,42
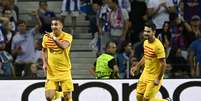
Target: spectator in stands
x,y
158,11
103,25
8,34
177,39
6,60
179,66
7,12
139,48
176,31
193,30
125,4
1,7
196,25
3,4
4,25
123,59
181,7
106,65
14,7
195,58
71,7
37,70
164,36
37,66
93,28
119,21
23,46
8,4
6,63
191,8
137,16
45,16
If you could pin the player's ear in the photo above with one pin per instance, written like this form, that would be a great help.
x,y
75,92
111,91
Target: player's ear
x,y
154,32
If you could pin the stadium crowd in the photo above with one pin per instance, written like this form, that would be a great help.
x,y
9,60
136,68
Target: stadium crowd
x,y
178,27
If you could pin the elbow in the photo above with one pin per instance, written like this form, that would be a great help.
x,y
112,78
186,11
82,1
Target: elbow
x,y
164,67
65,45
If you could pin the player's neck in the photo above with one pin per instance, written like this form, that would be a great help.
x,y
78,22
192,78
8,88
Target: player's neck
x,y
152,39
57,33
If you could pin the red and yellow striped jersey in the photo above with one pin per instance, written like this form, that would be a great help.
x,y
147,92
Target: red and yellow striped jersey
x,y
59,62
152,53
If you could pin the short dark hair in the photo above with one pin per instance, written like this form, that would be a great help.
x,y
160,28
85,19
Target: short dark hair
x,y
20,21
99,2
115,1
123,45
6,9
108,44
151,25
173,16
42,1
57,19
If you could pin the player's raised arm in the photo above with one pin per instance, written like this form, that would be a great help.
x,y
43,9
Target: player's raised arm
x,y
61,43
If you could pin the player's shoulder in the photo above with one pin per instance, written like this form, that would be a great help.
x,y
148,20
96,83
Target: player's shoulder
x,y
45,36
157,42
67,34
145,41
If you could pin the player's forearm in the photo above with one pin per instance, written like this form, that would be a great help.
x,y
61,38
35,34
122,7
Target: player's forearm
x,y
63,45
141,62
138,65
44,55
163,69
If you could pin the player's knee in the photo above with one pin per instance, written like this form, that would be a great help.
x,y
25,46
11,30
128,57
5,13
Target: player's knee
x,y
68,96
139,97
49,97
146,99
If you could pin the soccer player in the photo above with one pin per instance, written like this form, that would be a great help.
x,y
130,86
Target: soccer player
x,y
154,66
56,61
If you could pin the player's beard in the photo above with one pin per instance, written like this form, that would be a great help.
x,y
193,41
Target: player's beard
x,y
146,37
56,31
150,38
